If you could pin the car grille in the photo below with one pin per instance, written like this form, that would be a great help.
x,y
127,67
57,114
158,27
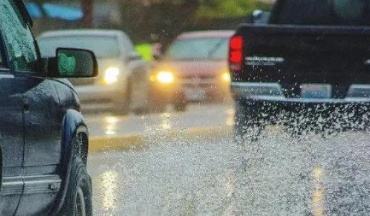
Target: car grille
x,y
197,77
198,81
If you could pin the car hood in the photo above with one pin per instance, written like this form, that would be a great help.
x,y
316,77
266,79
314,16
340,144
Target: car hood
x,y
193,68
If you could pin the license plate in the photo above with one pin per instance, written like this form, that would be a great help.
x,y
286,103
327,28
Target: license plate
x,y
317,91
195,94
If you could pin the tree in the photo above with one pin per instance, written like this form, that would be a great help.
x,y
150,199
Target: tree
x,y
159,18
224,9
164,19
86,5
87,9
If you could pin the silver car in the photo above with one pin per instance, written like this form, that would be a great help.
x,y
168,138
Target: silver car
x,y
122,83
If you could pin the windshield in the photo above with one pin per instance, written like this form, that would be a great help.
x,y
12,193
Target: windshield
x,y
322,12
212,48
103,47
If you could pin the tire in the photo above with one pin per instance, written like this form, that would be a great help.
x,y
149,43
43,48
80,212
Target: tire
x,y
180,104
122,107
156,107
155,104
247,122
78,200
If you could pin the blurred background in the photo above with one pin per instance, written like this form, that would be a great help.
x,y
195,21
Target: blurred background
x,y
145,21
175,154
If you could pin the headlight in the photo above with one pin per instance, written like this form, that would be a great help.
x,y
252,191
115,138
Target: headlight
x,y
111,75
165,77
226,77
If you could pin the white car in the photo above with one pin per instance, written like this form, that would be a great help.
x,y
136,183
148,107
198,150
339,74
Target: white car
x,y
121,85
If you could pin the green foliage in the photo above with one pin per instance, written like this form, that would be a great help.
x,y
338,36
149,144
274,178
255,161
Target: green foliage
x,y
225,8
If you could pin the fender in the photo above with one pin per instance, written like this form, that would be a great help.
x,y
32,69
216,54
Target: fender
x,y
73,124
1,167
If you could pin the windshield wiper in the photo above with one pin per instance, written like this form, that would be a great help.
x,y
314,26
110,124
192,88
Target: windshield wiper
x,y
215,47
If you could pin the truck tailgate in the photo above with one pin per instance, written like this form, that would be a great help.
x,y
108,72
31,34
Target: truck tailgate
x,y
294,55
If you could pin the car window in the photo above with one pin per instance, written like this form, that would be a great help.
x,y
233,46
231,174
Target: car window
x,y
349,10
198,49
128,46
18,37
103,46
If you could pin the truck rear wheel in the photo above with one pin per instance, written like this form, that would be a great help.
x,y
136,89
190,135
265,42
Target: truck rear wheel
x,y
247,122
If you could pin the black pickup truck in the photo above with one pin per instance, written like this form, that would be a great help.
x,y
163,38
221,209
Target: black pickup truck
x,y
308,67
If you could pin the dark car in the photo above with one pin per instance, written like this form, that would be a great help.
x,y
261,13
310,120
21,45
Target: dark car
x,y
194,68
307,69
43,137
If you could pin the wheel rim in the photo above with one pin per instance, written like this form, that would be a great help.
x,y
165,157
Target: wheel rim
x,y
80,205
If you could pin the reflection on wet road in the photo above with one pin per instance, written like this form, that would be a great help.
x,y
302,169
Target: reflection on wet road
x,y
196,116
318,191
276,175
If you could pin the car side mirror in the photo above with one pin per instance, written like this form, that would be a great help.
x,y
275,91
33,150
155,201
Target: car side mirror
x,y
134,56
73,63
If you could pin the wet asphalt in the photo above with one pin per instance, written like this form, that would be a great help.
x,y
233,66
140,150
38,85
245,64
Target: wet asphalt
x,y
188,164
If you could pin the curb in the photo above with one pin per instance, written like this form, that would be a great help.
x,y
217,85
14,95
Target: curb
x,y
140,141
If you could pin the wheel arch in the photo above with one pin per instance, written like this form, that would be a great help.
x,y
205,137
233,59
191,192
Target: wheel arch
x,y
1,167
73,126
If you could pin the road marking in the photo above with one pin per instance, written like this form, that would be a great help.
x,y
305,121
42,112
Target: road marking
x,y
138,141
318,191
109,183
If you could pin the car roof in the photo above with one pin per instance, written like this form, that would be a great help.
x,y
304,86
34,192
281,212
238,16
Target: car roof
x,y
209,33
82,32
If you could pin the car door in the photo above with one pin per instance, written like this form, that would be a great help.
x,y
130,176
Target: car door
x,y
42,146
11,137
11,114
32,138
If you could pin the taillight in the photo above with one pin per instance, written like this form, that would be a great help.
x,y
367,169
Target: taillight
x,y
236,53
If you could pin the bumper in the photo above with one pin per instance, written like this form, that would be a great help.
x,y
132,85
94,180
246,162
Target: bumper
x,y
267,103
272,92
165,93
190,93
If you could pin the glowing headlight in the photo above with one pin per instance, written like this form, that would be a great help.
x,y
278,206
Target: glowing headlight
x,y
111,75
165,77
226,77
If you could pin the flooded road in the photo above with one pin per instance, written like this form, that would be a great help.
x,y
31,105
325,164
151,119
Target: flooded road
x,y
213,175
